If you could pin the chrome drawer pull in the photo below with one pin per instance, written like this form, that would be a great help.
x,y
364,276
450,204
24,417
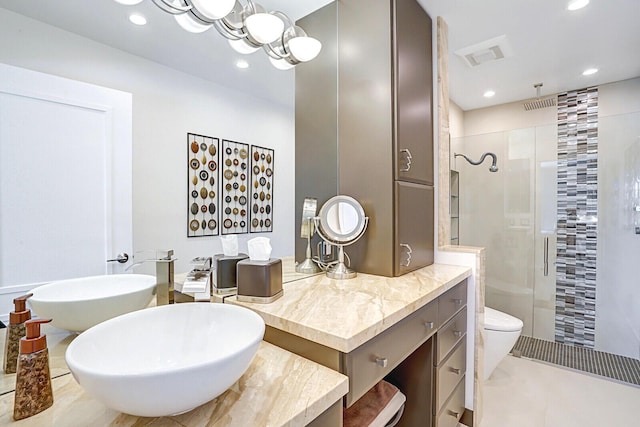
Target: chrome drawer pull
x,y
382,361
457,301
455,370
409,157
429,325
453,413
409,252
457,334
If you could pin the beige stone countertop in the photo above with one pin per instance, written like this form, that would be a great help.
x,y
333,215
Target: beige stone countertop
x,y
278,389
344,314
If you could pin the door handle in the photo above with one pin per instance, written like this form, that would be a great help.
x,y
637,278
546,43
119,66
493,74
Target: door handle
x,y
546,256
409,157
409,251
121,258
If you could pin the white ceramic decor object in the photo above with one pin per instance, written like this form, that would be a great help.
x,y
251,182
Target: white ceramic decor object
x,y
78,304
165,360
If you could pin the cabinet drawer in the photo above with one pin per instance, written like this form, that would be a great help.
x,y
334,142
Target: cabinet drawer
x,y
369,363
452,410
451,302
450,334
448,374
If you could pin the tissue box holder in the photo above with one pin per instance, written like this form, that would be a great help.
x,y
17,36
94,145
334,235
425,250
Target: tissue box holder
x,y
225,272
259,281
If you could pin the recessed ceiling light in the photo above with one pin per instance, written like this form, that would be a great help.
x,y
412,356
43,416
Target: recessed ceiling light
x,y
241,63
577,4
589,72
489,94
137,19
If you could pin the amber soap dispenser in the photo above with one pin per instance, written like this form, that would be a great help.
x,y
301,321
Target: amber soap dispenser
x,y
33,381
15,331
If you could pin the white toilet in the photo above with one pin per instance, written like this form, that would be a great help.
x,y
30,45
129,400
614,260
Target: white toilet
x,y
501,331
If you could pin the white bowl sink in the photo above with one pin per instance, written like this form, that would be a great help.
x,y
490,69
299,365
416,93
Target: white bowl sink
x,y
78,304
165,360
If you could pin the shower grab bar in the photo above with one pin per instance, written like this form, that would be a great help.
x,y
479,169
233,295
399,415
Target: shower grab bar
x,y
546,256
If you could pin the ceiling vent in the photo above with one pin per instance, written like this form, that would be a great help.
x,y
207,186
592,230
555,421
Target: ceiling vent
x,y
487,51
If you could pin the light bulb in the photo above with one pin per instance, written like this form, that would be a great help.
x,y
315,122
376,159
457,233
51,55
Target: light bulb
x,y
188,23
577,4
304,48
128,2
241,63
137,19
589,71
280,64
489,94
214,9
242,47
264,27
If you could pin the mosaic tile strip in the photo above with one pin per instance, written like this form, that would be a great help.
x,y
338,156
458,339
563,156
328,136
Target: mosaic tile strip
x,y
577,217
608,365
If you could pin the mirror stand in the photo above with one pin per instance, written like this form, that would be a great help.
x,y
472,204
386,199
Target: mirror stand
x,y
308,266
340,271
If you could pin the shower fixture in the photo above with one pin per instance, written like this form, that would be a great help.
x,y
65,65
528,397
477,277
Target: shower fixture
x,y
494,164
539,102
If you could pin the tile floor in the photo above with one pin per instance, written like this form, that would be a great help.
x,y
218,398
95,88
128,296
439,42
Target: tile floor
x,y
526,393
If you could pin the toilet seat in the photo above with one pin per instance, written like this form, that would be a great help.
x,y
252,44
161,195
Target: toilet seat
x,y
495,320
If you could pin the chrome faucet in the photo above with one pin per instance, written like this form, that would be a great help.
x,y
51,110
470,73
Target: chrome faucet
x,y
164,275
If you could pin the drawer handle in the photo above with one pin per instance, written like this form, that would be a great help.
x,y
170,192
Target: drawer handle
x,y
382,361
457,334
429,325
407,263
453,413
409,157
457,301
455,370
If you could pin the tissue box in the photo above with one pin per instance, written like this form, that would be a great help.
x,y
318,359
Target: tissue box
x,y
225,274
259,281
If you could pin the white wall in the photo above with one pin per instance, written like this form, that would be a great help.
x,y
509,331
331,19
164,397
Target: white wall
x,y
167,104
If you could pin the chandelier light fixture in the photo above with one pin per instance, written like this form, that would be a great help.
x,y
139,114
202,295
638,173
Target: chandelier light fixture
x,y
247,26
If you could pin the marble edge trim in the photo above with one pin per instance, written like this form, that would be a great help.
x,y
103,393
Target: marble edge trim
x,y
462,249
348,344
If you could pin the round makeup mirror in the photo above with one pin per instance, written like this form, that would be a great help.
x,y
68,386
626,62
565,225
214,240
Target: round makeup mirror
x,y
341,222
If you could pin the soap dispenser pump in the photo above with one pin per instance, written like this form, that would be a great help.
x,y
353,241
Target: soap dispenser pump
x,y
33,381
15,331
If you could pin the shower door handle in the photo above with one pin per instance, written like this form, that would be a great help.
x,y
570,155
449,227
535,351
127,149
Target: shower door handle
x,y
546,256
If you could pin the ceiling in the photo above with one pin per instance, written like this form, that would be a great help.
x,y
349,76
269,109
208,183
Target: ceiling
x,y
550,44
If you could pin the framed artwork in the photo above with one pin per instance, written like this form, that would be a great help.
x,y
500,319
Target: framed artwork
x,y
262,172
234,191
203,155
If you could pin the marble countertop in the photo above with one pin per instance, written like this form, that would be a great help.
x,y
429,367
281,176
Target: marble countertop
x,y
278,389
344,314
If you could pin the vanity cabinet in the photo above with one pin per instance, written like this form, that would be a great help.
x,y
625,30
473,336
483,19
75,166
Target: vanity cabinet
x,y
378,66
424,355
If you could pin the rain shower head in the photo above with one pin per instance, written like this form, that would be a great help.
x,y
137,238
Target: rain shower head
x,y
494,164
539,103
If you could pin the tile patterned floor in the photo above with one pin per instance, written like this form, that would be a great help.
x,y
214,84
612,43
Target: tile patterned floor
x,y
528,393
607,365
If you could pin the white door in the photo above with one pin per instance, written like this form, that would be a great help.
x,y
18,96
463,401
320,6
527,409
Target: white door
x,y
65,178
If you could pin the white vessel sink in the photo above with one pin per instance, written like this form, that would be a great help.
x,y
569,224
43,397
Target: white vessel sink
x,y
165,360
78,304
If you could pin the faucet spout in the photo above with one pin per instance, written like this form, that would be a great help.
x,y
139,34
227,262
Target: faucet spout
x,y
164,275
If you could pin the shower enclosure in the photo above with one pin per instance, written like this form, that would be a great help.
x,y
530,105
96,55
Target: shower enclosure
x,y
513,213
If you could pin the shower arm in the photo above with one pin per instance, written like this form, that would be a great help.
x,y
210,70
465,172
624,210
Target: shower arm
x,y
494,166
